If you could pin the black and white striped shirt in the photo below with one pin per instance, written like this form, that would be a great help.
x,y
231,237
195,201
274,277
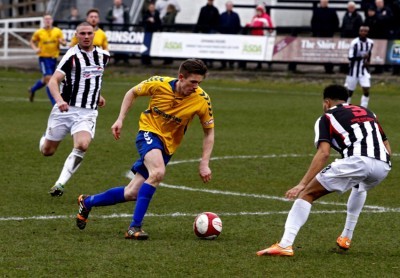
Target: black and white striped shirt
x,y
83,76
357,50
352,131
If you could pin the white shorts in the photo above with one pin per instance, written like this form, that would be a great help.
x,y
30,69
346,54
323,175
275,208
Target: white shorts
x,y
75,120
343,174
351,82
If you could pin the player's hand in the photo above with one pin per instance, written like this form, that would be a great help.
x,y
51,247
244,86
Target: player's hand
x,y
294,192
62,106
116,129
102,102
205,173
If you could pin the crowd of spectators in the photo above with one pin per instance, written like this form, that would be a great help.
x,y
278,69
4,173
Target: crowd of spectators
x,y
381,16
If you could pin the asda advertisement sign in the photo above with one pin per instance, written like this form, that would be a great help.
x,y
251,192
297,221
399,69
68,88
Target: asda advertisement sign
x,y
212,46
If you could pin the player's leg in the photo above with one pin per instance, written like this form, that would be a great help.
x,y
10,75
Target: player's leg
x,y
83,125
57,128
355,203
151,166
297,217
109,197
365,82
365,97
81,140
46,80
51,64
40,83
350,84
155,166
375,171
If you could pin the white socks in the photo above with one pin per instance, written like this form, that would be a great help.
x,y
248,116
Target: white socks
x,y
297,216
355,204
70,166
364,101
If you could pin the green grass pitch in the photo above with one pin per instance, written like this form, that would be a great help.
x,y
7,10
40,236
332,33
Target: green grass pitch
x,y
264,144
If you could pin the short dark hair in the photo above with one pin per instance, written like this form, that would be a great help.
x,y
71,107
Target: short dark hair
x,y
93,10
83,24
193,66
336,92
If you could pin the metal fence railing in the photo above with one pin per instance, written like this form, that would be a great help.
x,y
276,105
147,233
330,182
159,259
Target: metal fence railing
x,y
13,43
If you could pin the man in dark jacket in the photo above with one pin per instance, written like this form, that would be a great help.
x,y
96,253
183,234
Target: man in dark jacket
x,y
208,21
351,23
229,24
324,23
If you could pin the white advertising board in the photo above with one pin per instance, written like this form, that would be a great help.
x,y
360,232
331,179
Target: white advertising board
x,y
212,46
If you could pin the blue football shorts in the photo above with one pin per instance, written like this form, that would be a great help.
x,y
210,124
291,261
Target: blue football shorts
x,y
47,65
145,142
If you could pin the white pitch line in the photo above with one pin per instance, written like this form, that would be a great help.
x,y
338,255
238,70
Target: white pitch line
x,y
20,99
370,209
178,214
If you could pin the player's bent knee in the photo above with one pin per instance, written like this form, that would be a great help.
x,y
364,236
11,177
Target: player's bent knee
x,y
130,194
47,151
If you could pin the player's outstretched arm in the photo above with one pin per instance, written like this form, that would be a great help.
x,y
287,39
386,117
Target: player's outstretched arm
x,y
208,144
127,102
54,87
317,164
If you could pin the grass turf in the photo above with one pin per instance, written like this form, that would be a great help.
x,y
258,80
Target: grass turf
x,y
264,143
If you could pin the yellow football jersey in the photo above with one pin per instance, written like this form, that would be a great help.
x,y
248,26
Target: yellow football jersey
x,y
48,42
100,39
169,115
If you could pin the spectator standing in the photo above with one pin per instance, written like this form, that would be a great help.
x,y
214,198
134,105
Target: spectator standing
x,y
351,23
151,23
359,57
259,21
118,17
370,21
100,38
229,24
384,20
168,20
381,23
118,14
366,5
208,23
73,17
46,44
162,7
324,24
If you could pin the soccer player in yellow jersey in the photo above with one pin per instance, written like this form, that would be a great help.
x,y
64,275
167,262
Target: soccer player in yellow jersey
x,y
46,43
174,102
100,38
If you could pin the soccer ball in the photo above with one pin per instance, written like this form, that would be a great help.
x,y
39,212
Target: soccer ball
x,y
207,225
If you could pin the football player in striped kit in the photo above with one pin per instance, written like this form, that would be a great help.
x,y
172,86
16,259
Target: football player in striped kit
x,y
355,133
75,87
359,56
